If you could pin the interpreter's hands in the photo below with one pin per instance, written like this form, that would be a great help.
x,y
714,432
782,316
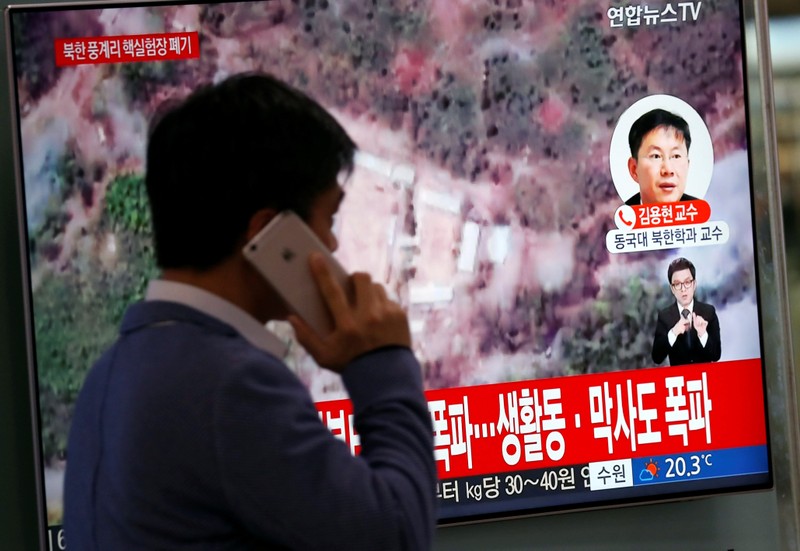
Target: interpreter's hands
x,y
681,327
368,321
700,324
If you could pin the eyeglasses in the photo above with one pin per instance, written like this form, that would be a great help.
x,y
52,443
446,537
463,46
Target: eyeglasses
x,y
681,285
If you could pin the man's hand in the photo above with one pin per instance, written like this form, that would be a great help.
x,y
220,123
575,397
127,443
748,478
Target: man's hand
x,y
681,327
366,322
700,324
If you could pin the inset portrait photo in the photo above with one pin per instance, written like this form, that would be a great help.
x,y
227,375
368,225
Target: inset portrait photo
x,y
661,152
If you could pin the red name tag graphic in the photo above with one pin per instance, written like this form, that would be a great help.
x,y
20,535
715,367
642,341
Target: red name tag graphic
x,y
683,213
126,48
575,420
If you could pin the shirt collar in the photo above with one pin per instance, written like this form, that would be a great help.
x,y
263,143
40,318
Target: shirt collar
x,y
690,307
208,303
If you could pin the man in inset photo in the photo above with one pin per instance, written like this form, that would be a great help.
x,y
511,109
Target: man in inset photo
x,y
659,142
688,330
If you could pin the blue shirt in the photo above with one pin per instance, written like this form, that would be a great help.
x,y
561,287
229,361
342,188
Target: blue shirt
x,y
187,436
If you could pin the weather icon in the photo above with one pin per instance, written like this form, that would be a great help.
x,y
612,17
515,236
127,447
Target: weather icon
x,y
650,471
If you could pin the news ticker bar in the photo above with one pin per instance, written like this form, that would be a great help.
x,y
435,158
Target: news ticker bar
x,y
589,481
574,484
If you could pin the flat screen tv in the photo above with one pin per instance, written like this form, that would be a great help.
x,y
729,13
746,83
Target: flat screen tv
x,y
511,190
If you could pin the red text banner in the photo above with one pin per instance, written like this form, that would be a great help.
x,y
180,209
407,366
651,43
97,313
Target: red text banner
x,y
589,418
126,48
681,213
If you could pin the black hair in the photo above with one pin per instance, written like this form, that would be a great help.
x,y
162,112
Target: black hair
x,y
228,150
677,265
657,118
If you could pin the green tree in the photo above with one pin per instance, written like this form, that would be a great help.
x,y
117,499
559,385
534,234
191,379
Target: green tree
x,y
77,310
615,331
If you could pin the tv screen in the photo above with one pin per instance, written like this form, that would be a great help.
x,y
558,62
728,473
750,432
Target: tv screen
x,y
559,193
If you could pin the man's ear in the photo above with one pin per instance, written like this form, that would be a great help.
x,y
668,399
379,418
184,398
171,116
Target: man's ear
x,y
259,219
632,169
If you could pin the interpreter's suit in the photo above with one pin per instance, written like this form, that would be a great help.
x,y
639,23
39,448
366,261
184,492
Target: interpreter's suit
x,y
687,348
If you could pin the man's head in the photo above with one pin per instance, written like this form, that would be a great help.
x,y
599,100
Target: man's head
x,y
681,277
659,162
247,145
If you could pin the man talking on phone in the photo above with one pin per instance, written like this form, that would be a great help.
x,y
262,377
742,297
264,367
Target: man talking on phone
x,y
688,330
190,432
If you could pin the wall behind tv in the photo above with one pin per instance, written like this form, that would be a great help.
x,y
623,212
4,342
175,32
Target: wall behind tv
x,y
18,529
732,522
